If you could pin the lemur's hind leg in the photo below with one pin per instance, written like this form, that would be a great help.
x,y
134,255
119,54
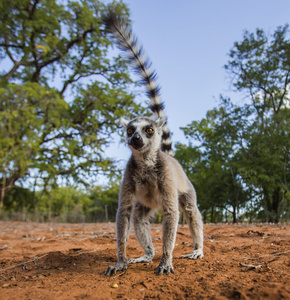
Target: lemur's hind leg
x,y
142,231
187,202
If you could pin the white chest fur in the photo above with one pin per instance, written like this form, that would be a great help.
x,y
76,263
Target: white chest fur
x,y
148,195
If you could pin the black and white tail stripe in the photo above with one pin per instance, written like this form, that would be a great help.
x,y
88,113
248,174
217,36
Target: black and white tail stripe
x,y
128,42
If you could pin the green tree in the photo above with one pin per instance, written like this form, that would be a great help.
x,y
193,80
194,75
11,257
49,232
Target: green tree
x,y
197,170
65,204
20,199
105,201
63,94
215,166
243,151
260,66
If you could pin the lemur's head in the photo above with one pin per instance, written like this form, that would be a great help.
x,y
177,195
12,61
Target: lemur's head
x,y
143,134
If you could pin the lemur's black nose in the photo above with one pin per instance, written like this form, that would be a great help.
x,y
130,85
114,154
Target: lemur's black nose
x,y
136,141
136,137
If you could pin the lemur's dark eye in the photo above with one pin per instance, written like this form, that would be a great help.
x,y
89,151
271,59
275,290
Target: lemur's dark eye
x,y
130,131
149,130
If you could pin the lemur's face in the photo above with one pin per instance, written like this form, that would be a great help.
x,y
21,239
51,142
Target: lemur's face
x,y
143,133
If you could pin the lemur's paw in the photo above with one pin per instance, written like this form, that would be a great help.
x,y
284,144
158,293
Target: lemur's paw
x,y
193,255
112,270
164,268
143,259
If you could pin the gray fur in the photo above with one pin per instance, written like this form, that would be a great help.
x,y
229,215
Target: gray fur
x,y
154,180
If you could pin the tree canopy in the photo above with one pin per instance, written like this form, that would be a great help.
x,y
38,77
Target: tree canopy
x,y
62,91
242,156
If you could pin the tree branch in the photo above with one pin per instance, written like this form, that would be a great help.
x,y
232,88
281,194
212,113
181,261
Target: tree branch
x,y
72,77
59,56
6,45
32,11
287,81
82,113
58,136
258,86
16,65
37,73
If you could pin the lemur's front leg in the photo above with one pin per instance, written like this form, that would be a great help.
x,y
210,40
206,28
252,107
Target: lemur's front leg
x,y
169,228
123,231
123,222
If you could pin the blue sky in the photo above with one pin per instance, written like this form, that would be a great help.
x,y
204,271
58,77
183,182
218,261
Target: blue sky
x,y
188,43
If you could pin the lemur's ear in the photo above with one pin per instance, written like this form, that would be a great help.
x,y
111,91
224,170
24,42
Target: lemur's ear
x,y
161,122
124,122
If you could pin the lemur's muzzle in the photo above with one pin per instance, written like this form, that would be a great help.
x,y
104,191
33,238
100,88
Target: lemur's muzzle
x,y
136,141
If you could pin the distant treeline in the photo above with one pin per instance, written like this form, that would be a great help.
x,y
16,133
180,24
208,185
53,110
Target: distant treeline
x,y
71,205
61,204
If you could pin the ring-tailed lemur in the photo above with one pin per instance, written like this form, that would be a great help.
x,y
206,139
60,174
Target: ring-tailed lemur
x,y
153,179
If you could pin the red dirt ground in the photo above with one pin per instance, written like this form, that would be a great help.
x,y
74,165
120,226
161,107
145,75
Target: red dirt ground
x,y
67,261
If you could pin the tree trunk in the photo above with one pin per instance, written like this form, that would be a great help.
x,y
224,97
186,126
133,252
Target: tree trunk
x,y
205,217
2,194
211,215
275,204
269,206
234,214
1,198
106,213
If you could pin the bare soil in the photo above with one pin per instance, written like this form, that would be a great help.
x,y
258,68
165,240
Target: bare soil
x,y
67,261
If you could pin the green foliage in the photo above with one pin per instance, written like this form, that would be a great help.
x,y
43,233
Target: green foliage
x,y
242,159
62,204
65,204
260,65
20,199
214,170
28,114
62,98
105,201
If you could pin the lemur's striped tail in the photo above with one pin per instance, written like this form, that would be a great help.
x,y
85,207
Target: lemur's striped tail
x,y
128,42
